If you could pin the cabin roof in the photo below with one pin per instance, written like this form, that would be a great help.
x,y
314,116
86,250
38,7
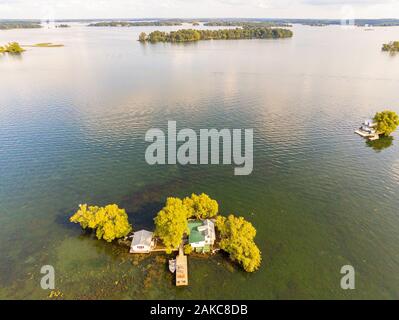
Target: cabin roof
x,y
142,237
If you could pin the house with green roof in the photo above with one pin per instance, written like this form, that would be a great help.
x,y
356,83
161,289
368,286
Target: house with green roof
x,y
202,235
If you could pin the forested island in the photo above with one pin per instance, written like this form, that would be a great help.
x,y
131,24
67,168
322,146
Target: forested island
x,y
8,25
136,24
12,48
391,47
231,234
189,35
254,24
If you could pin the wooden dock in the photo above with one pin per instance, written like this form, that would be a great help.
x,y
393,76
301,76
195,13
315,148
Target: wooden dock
x,y
181,269
370,136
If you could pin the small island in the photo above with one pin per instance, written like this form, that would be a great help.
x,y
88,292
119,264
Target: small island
x,y
191,35
63,26
188,226
383,124
12,48
46,45
392,47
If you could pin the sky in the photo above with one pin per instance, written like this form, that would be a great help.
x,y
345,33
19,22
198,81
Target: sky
x,y
80,9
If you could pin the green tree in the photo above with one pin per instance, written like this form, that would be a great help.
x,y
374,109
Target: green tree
x,y
387,122
237,238
392,47
201,206
188,249
14,48
171,223
110,222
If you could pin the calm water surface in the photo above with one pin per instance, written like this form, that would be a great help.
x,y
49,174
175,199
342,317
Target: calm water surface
x,y
72,125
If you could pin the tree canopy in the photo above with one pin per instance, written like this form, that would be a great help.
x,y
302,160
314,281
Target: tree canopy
x,y
13,48
187,35
171,223
391,47
387,122
237,238
110,222
201,207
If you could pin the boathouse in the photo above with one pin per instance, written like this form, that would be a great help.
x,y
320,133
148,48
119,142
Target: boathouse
x,y
143,241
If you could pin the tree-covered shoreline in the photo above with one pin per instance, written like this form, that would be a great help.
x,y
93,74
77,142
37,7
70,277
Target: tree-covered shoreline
x,y
191,35
135,24
228,23
9,25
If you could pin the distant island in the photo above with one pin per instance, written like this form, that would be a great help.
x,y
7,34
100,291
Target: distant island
x,y
63,26
392,47
46,45
135,24
254,24
190,35
8,25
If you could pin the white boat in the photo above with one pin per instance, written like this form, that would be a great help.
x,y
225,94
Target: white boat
x,y
172,266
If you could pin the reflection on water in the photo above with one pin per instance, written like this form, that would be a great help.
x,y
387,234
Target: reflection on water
x,y
380,144
72,126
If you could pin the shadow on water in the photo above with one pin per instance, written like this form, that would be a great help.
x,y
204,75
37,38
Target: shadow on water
x,y
380,144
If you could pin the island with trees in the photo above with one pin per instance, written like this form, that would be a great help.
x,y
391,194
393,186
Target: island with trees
x,y
8,25
191,35
382,125
243,23
387,122
12,48
165,23
392,47
63,25
178,225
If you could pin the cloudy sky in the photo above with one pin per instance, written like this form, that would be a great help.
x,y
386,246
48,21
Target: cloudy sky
x,y
56,9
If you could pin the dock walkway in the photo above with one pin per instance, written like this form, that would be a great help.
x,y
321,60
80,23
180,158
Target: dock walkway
x,y
181,269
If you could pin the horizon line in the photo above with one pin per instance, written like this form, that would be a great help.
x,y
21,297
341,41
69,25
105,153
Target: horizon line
x,y
193,18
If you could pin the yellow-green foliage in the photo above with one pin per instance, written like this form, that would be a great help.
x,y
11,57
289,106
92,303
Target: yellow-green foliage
x,y
237,238
201,207
188,249
171,223
391,47
110,222
13,48
387,122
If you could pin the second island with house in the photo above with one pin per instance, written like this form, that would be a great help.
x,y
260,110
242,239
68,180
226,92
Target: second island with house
x,y
183,227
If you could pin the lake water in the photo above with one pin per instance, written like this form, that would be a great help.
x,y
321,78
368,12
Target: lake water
x,y
72,126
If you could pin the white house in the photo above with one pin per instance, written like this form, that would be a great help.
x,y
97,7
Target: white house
x,y
143,242
202,235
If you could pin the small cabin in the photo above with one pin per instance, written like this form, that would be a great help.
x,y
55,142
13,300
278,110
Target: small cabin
x,y
143,242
